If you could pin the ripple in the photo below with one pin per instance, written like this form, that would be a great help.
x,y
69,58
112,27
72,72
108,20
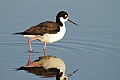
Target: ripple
x,y
91,56
12,43
102,47
94,56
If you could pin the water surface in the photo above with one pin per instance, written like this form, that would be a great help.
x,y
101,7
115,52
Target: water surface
x,y
93,47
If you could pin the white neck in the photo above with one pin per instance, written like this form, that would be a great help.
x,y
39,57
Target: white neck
x,y
63,20
64,78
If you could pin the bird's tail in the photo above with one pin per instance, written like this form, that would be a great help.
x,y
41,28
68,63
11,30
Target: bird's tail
x,y
19,33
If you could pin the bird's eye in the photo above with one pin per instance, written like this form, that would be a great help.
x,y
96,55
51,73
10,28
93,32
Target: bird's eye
x,y
65,79
65,16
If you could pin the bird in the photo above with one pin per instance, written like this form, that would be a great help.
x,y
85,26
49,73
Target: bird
x,y
47,31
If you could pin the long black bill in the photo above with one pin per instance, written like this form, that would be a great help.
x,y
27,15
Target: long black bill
x,y
73,22
70,74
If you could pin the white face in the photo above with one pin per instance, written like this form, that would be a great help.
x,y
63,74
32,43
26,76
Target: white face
x,y
64,78
63,20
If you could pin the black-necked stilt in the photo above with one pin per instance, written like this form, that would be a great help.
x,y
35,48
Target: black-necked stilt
x,y
48,31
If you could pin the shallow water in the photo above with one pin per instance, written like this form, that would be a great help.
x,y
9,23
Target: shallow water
x,y
93,47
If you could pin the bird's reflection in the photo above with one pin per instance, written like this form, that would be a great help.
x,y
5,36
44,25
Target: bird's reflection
x,y
47,66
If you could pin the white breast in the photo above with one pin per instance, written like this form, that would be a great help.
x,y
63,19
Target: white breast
x,y
49,38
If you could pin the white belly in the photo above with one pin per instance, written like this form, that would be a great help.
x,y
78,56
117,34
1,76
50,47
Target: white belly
x,y
49,38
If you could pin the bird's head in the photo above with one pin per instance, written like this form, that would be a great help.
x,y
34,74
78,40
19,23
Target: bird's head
x,y
61,17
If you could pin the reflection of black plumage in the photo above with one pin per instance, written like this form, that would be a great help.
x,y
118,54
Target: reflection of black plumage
x,y
40,71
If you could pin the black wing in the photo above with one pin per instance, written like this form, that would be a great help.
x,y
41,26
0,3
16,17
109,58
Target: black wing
x,y
42,28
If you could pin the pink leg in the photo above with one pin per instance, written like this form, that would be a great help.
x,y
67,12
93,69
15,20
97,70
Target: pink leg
x,y
29,60
29,43
44,49
33,64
